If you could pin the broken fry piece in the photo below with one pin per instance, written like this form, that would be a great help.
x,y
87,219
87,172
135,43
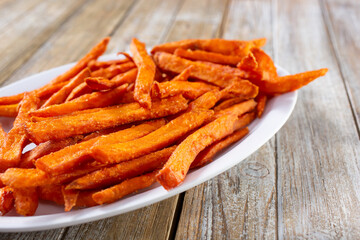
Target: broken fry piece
x,y
26,201
6,200
146,73
101,83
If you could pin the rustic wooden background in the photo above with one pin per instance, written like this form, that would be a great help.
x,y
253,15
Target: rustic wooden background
x,y
304,183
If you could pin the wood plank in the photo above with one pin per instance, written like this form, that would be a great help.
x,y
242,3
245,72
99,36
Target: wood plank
x,y
318,148
240,203
341,19
92,22
56,234
22,36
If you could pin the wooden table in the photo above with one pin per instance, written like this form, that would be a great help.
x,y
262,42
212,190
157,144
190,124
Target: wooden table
x,y
304,183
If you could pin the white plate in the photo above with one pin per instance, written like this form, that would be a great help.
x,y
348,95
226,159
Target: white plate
x,y
50,216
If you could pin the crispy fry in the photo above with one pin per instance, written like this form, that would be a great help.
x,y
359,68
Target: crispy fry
x,y
23,178
261,100
206,155
127,187
61,95
2,135
89,121
9,110
207,100
222,46
61,161
113,70
87,101
146,73
80,90
184,75
160,138
95,65
105,84
238,109
199,55
95,52
26,201
240,88
10,152
119,172
176,168
289,83
6,200
228,103
190,90
199,71
70,198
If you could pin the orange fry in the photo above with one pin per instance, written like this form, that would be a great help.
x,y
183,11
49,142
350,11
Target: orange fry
x,y
94,53
9,110
96,119
70,198
160,138
6,200
105,84
261,100
206,155
207,100
199,55
127,187
95,65
24,178
228,103
119,172
113,70
190,90
238,109
199,70
26,201
176,168
61,161
184,75
146,73
78,91
61,95
87,101
222,46
2,135
10,152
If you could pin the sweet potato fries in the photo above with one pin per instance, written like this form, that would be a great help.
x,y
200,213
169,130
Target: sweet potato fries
x,y
106,129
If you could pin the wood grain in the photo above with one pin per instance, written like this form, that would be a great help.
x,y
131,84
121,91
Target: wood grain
x,y
240,203
318,148
23,36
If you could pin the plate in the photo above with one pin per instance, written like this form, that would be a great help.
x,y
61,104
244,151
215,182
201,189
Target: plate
x,y
49,216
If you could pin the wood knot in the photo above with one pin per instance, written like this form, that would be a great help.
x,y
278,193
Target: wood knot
x,y
254,169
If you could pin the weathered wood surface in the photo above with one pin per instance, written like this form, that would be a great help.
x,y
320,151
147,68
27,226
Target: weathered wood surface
x,y
303,184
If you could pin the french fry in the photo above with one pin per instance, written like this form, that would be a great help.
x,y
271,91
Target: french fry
x,y
158,139
199,55
23,178
240,88
97,119
78,91
70,198
61,95
106,84
95,65
119,172
16,139
145,75
176,168
190,90
26,201
222,46
199,70
2,135
64,160
261,100
228,103
207,155
127,187
6,200
87,101
238,109
113,70
207,100
9,110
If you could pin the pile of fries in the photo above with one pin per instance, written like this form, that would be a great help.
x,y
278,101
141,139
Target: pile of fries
x,y
106,129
